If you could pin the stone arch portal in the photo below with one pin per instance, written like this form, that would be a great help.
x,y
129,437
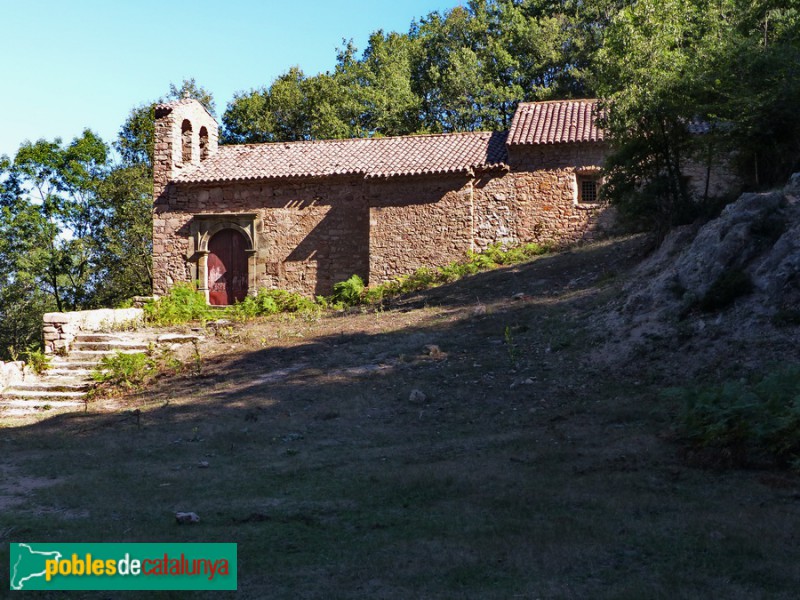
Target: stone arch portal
x,y
223,253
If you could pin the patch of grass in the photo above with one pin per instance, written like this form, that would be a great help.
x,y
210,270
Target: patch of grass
x,y
126,371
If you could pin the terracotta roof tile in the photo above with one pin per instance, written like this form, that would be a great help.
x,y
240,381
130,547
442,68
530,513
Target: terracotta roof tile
x,y
555,122
370,157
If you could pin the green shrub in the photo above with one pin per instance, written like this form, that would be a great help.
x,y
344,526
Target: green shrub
x,y
125,370
421,279
348,292
284,301
455,271
182,304
743,423
267,305
246,309
475,262
269,302
483,261
37,360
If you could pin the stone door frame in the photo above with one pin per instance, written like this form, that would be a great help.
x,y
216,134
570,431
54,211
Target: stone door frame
x,y
202,228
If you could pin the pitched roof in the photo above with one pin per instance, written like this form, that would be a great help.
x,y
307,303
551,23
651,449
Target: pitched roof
x,y
368,157
555,122
165,107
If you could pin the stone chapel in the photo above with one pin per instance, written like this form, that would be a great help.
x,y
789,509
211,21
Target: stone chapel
x,y
303,216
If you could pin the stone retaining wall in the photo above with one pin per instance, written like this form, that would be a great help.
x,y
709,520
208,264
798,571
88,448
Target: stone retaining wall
x,y
60,329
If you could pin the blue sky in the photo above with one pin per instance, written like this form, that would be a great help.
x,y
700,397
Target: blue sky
x,y
73,64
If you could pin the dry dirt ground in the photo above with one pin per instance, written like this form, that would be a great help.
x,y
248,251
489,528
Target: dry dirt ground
x,y
490,438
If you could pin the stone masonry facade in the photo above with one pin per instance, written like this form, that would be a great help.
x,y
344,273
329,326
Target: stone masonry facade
x,y
314,213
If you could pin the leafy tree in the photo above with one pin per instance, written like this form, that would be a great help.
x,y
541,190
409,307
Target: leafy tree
x,y
122,235
758,70
60,184
75,233
287,104
461,70
335,110
277,113
390,105
22,301
247,119
295,108
135,142
694,80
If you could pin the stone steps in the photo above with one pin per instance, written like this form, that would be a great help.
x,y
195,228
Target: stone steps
x,y
108,347
96,355
17,394
99,337
73,365
50,385
74,371
64,385
24,408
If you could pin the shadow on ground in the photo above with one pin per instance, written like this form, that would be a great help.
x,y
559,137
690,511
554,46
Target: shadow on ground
x,y
460,442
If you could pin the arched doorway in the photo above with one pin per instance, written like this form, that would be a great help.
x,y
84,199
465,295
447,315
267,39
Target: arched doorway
x,y
227,268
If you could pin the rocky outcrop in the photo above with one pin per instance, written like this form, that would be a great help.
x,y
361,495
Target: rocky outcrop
x,y
739,272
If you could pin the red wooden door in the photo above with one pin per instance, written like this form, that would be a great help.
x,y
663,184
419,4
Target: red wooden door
x,y
227,268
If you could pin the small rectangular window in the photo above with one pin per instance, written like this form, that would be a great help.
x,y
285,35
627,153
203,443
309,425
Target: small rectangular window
x,y
587,190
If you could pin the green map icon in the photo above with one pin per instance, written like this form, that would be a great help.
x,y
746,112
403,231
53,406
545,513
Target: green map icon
x,y
28,564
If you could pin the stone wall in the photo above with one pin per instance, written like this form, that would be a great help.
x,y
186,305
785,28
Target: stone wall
x,y
60,329
418,222
314,233
170,241
722,180
538,199
309,234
